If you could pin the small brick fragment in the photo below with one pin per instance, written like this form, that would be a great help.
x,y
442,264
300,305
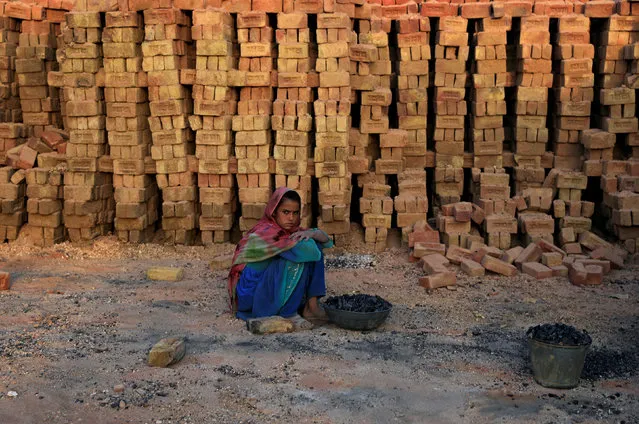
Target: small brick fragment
x,y
5,281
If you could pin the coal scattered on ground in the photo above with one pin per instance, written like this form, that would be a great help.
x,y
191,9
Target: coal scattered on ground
x,y
605,363
345,261
358,303
559,334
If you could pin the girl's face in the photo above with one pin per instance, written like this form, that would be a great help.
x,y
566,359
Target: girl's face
x,y
287,214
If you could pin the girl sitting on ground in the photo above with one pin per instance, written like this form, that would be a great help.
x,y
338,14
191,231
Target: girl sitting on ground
x,y
278,267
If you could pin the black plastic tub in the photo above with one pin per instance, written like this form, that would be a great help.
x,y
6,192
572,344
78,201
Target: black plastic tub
x,y
360,312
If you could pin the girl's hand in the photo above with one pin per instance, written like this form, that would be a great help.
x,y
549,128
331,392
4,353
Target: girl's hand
x,y
303,235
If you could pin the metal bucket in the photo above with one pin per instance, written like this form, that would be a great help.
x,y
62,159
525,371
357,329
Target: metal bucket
x,y
557,366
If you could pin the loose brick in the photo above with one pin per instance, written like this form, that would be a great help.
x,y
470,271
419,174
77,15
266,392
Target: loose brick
x,y
551,259
456,254
510,255
532,253
434,263
497,266
472,268
537,270
438,280
559,271
423,249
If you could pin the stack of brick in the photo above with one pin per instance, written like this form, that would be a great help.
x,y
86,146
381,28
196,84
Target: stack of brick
x,y
129,137
44,206
363,145
165,53
292,119
534,79
252,124
374,109
13,212
362,150
454,223
490,79
88,193
413,43
12,135
573,89
598,148
36,55
411,202
450,80
376,95
533,207
491,193
332,124
631,53
10,110
617,106
423,240
435,265
620,204
572,215
214,104
376,207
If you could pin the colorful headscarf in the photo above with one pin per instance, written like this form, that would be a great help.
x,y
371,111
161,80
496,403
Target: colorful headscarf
x,y
264,241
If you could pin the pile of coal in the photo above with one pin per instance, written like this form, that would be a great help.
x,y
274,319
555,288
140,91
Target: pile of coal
x,y
559,334
358,303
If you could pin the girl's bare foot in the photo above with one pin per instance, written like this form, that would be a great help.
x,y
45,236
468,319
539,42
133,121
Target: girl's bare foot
x,y
300,323
314,312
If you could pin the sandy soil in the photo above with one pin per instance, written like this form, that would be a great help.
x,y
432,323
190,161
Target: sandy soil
x,y
80,320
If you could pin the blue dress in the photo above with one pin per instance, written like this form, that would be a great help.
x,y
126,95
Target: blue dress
x,y
282,284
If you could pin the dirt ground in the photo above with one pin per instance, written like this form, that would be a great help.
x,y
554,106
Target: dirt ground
x,y
80,320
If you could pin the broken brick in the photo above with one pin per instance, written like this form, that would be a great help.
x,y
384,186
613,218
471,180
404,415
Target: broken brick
x,y
5,281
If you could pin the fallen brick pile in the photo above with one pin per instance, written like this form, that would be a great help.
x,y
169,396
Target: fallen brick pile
x,y
540,259
505,123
